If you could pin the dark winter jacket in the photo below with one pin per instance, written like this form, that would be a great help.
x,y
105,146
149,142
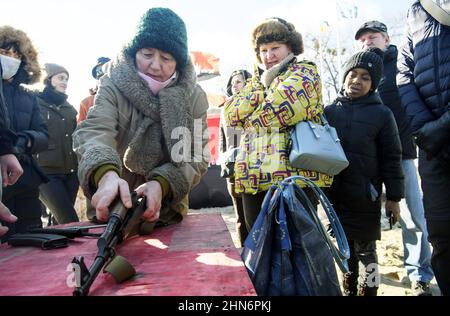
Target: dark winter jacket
x,y
370,139
7,140
61,119
7,137
424,68
389,95
27,123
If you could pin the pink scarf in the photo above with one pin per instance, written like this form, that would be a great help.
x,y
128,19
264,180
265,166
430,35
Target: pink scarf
x,y
154,85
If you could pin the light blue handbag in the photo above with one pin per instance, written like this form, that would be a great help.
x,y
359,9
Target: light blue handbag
x,y
317,147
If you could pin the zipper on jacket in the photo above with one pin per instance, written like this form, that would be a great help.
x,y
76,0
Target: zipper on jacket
x,y
436,68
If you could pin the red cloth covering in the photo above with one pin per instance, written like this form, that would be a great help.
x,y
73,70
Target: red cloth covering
x,y
193,258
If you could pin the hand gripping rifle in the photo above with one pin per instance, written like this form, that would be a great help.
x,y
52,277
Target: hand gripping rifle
x,y
122,223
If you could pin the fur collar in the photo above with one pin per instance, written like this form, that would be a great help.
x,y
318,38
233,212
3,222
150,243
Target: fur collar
x,y
169,110
269,75
29,71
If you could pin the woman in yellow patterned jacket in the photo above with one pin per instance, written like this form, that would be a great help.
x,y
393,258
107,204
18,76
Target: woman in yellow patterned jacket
x,y
282,92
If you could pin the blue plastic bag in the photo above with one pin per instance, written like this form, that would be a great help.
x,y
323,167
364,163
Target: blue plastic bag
x,y
288,251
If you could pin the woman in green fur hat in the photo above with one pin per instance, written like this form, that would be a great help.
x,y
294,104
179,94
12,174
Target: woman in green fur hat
x,y
139,134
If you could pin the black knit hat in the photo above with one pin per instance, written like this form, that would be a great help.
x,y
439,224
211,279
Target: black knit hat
x,y
371,60
163,29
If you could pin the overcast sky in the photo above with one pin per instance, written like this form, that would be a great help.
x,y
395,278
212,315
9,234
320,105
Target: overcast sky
x,y
75,33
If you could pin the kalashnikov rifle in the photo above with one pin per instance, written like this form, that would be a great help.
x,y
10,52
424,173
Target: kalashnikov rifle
x,y
122,223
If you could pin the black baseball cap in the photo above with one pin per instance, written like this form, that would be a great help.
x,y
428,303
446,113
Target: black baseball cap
x,y
375,26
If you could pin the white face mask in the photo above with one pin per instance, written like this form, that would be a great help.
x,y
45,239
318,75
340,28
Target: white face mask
x,y
154,85
10,66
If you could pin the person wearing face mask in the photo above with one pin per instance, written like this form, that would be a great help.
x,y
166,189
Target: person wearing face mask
x,y
370,139
20,66
10,166
282,92
229,139
147,130
59,162
417,252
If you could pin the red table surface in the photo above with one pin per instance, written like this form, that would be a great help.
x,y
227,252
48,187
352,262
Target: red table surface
x,y
193,258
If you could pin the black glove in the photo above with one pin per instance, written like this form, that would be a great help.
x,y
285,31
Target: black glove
x,y
434,135
22,147
444,158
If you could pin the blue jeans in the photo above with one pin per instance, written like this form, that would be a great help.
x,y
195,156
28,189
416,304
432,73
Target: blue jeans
x,y
417,253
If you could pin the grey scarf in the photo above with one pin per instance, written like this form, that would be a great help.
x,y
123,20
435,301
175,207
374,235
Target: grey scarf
x,y
161,114
269,75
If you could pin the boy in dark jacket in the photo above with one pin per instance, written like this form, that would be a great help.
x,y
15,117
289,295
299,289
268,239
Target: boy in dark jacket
x,y
370,139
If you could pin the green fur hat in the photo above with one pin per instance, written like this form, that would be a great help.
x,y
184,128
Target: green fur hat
x,y
163,29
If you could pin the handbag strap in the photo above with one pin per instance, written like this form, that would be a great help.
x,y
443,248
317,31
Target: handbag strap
x,y
341,253
313,126
323,119
436,12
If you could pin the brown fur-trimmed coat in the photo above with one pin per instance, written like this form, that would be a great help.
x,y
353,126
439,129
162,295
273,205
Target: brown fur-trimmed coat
x,y
30,65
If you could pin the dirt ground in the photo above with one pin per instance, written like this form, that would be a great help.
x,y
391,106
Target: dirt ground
x,y
394,281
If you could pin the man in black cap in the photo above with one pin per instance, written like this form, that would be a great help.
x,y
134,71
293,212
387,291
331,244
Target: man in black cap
x,y
424,84
417,253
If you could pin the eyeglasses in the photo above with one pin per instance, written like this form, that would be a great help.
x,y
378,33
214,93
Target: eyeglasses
x,y
10,53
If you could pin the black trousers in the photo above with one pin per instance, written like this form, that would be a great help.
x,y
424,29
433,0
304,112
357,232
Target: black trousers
x,y
241,227
435,180
439,236
364,252
59,195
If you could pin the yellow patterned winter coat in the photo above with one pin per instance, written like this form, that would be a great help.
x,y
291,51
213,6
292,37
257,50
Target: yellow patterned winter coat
x,y
292,94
